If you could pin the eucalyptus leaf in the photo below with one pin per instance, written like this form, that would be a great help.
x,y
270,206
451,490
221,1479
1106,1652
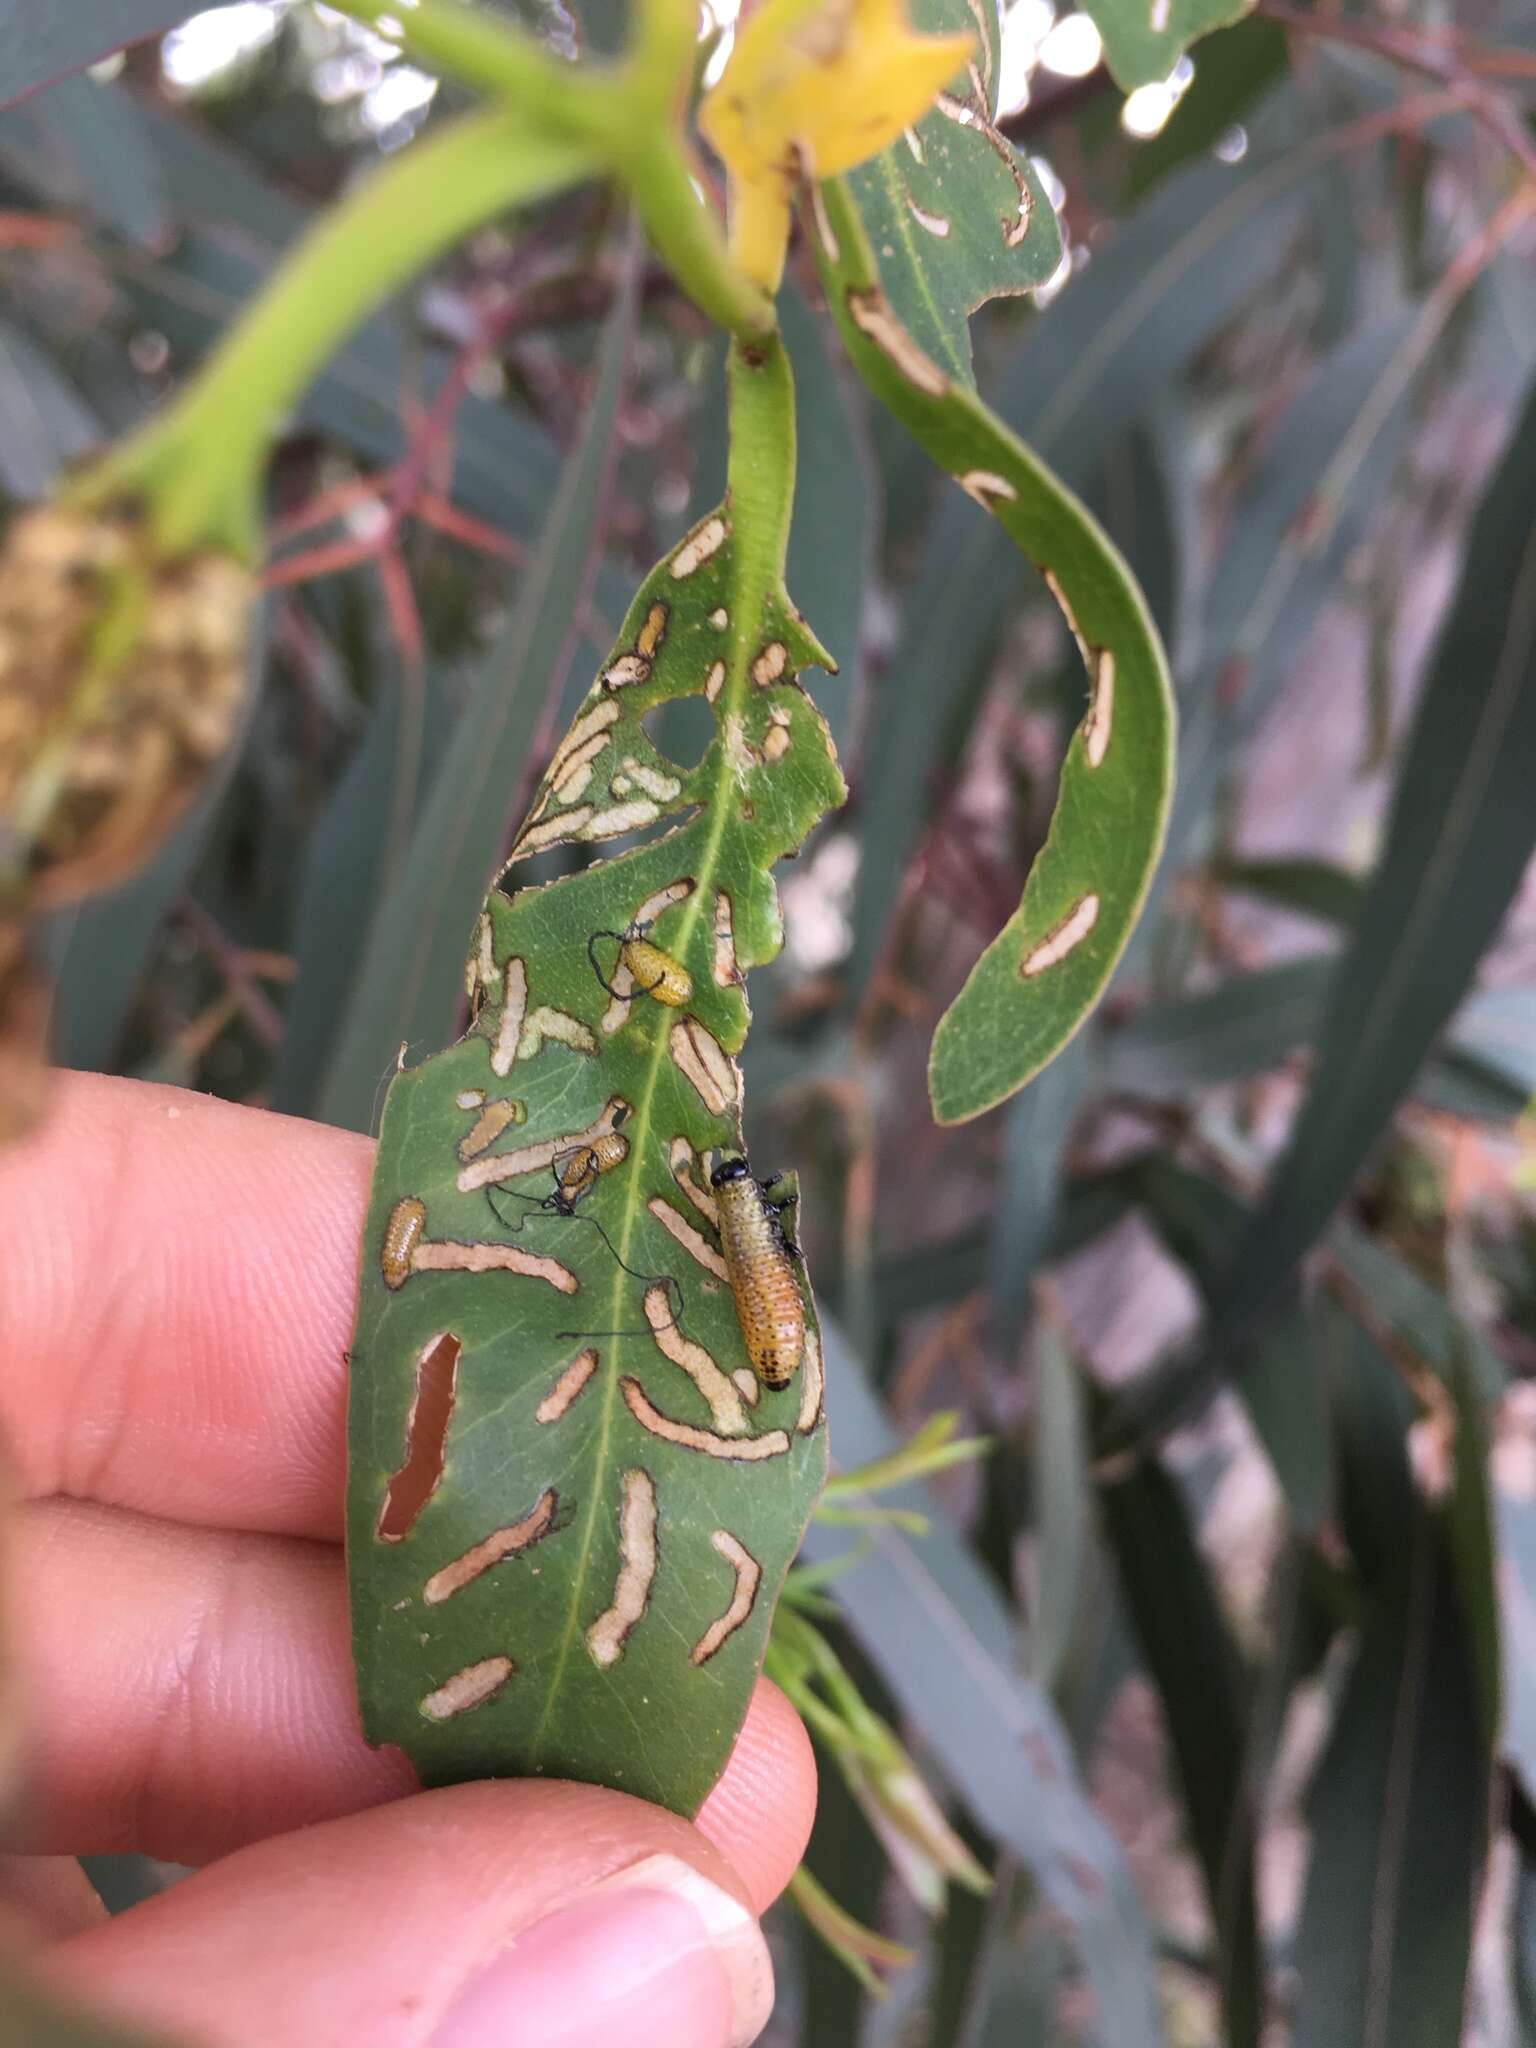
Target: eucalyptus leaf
x,y
1144,39
1040,978
1460,835
571,1501
957,215
39,44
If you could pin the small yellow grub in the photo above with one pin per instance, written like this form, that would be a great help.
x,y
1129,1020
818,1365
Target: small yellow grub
x,y
580,1171
471,1687
775,743
402,1234
653,632
748,1574
656,973
489,1125
540,1156
1057,944
637,1568
705,540
770,664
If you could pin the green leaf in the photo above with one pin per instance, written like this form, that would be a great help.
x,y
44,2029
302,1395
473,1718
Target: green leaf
x,y
934,1626
959,217
1041,976
1061,1489
1035,1134
1166,281
1398,1808
1313,888
462,831
1233,68
1194,1664
108,147
1461,832
38,44
571,1501
1144,39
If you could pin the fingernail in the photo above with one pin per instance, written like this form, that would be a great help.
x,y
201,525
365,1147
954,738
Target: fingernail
x,y
656,1950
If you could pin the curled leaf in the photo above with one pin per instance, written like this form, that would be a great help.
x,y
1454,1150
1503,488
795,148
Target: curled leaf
x,y
816,87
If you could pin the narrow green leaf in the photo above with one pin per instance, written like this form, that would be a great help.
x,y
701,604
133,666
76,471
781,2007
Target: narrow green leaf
x,y
1461,832
350,866
1398,1808
1035,1133
932,1623
38,44
1193,1661
44,423
1144,39
1038,980
571,1500
959,217
114,162
1243,1027
1314,888
454,850
1061,1487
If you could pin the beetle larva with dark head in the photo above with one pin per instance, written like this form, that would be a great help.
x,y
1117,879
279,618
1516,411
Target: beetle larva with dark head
x,y
762,1274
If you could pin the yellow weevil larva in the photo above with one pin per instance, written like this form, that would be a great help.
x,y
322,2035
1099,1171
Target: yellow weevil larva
x,y
653,971
579,1169
657,973
402,1234
760,1264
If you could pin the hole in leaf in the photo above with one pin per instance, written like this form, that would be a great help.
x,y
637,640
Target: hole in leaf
x,y
437,1379
682,729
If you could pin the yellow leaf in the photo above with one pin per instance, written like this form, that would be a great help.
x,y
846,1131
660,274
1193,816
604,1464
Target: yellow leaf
x,y
815,87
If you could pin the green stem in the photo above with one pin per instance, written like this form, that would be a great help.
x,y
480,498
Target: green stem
x,y
625,114
199,464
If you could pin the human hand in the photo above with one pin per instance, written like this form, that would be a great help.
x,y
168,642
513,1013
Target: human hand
x,y
174,1316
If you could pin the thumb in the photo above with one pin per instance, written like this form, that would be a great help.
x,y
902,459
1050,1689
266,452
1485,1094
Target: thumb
x,y
479,1916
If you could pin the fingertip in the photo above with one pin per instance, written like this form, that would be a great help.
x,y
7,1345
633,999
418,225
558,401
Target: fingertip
x,y
759,1814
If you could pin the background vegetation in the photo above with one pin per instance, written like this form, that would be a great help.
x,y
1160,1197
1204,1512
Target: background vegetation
x,y
1224,1653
